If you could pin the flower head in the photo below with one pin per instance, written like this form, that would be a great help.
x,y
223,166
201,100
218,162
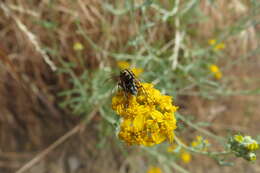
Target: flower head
x,y
200,144
215,71
78,46
185,157
148,118
244,146
251,156
216,46
214,68
250,143
238,138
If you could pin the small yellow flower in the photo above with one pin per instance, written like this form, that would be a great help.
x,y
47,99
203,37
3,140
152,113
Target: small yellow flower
x,y
215,71
148,118
252,156
239,138
214,68
194,143
185,157
219,46
154,170
123,64
253,146
212,42
200,143
218,75
171,148
216,47
250,143
78,46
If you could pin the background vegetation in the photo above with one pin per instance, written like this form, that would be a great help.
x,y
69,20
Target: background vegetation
x,y
59,71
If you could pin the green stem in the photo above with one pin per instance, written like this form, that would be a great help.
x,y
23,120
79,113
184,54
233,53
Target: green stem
x,y
161,158
198,151
206,132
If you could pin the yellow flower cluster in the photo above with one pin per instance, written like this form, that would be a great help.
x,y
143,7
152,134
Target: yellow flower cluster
x,y
148,118
215,70
244,146
216,47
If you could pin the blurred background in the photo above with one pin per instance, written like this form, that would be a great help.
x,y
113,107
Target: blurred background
x,y
60,62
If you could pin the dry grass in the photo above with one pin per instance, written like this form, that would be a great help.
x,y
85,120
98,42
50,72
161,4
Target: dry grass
x,y
37,34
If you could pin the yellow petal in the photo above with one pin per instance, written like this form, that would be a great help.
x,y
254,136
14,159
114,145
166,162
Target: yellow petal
x,y
138,123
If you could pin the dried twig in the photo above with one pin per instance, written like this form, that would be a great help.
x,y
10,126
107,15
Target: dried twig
x,y
31,37
24,11
61,140
178,39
